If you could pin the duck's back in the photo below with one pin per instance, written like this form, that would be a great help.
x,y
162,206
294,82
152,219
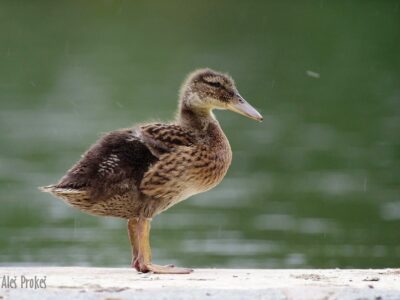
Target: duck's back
x,y
107,176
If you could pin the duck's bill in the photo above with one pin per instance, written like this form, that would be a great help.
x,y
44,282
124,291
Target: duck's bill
x,y
242,107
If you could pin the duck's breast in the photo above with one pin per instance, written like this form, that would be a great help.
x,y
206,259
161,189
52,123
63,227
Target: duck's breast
x,y
210,166
188,170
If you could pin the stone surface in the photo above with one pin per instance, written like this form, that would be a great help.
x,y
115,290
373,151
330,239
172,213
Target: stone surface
x,y
108,283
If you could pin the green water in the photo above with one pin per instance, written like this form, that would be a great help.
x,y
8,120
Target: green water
x,y
317,184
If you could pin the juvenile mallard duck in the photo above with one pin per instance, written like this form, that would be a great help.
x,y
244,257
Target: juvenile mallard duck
x,y
137,173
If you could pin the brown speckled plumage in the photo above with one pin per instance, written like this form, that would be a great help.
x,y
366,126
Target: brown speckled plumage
x,y
141,171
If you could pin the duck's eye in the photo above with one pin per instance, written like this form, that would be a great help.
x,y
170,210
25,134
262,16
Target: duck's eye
x,y
215,84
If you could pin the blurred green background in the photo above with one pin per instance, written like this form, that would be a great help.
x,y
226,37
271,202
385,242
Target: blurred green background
x,y
315,185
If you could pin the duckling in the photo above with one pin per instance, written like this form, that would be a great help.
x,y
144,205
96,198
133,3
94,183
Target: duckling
x,y
137,173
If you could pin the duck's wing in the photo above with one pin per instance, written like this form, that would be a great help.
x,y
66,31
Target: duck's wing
x,y
165,138
113,165
175,148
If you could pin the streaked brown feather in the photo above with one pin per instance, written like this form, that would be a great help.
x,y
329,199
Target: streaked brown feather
x,y
162,138
188,170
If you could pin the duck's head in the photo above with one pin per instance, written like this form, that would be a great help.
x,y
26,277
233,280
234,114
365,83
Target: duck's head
x,y
206,89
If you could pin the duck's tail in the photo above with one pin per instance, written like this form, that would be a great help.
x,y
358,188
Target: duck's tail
x,y
65,193
47,189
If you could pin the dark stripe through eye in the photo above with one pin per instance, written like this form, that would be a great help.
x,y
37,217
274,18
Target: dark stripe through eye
x,y
214,84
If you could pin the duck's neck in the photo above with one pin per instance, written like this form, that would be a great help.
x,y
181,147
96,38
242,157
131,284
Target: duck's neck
x,y
204,122
194,117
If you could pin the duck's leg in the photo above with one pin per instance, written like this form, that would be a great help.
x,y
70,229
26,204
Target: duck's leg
x,y
132,224
139,234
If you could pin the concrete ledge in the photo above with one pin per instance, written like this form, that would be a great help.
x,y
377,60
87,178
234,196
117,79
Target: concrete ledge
x,y
108,283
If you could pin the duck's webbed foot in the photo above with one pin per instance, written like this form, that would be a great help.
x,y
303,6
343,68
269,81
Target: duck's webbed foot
x,y
158,269
139,230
